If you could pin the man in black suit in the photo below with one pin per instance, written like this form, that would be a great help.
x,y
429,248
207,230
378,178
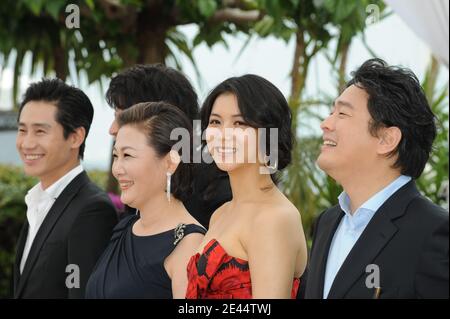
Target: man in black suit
x,y
69,219
384,239
157,82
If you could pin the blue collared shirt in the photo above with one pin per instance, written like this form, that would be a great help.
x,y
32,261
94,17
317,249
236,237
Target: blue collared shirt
x,y
352,226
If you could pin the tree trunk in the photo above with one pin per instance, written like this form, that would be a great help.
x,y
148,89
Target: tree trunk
x,y
432,74
152,29
152,47
60,56
298,68
299,74
343,66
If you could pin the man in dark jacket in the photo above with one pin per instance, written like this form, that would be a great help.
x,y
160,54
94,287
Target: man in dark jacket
x,y
69,219
384,239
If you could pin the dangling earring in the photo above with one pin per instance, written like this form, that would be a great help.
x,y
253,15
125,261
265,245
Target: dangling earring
x,y
168,180
267,161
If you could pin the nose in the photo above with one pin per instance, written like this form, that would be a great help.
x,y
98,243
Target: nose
x,y
25,142
114,128
117,168
328,124
227,136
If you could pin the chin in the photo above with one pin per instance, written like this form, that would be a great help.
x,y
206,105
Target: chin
x,y
126,200
31,171
324,163
227,167
330,168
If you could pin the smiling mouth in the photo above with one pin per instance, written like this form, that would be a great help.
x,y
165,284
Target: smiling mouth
x,y
329,143
32,157
125,185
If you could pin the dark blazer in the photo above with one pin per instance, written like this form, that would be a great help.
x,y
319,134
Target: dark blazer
x,y
76,230
407,239
210,190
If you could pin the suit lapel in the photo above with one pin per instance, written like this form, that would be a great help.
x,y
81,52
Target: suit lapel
x,y
19,253
47,226
377,234
316,277
374,238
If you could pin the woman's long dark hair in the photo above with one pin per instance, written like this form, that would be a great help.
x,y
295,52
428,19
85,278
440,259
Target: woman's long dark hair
x,y
262,105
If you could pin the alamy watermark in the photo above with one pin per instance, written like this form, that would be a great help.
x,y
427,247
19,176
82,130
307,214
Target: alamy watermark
x,y
373,277
229,146
73,17
373,14
73,279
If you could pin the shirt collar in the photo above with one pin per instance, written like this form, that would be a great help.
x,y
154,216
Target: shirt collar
x,y
56,188
369,207
36,193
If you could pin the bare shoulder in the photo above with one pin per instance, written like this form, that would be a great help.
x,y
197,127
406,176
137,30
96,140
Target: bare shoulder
x,y
190,242
278,225
279,219
183,251
281,214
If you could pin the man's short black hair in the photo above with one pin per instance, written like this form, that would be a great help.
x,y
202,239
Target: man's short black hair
x,y
74,109
396,98
152,83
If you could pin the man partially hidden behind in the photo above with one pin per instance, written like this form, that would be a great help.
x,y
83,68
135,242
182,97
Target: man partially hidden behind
x,y
384,239
69,219
157,82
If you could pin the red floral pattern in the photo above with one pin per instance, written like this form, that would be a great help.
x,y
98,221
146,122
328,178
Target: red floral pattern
x,y
216,275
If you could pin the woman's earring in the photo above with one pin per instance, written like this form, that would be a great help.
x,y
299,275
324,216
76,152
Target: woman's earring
x,y
169,177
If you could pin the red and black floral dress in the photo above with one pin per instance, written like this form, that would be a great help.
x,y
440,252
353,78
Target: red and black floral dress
x,y
216,275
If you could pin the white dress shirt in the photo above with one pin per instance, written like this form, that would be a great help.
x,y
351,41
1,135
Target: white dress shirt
x,y
352,226
39,202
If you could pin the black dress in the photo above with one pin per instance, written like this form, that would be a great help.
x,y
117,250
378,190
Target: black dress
x,y
133,266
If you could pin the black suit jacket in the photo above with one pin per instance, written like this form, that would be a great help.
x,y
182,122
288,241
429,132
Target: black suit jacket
x,y
407,239
211,189
76,230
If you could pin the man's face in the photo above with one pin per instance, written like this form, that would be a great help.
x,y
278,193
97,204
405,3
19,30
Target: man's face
x,y
114,128
40,141
348,146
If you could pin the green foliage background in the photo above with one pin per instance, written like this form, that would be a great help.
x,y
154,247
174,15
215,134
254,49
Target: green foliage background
x,y
116,34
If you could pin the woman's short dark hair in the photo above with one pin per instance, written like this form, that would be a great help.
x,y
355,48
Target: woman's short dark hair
x,y
74,109
152,83
396,98
157,120
262,105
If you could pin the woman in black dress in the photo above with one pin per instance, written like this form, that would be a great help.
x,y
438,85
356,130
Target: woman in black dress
x,y
148,253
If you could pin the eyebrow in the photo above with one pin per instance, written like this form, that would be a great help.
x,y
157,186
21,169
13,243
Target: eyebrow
x,y
123,148
344,103
41,125
235,115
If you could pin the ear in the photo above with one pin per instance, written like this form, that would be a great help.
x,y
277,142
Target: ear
x,y
77,137
173,159
389,138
